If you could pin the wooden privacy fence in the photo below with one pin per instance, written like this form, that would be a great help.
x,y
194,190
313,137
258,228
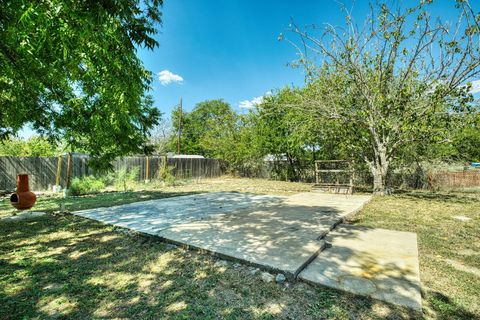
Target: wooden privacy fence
x,y
463,179
182,168
43,170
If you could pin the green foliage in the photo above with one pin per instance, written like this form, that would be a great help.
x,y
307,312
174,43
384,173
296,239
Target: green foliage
x,y
166,176
287,134
467,140
247,150
126,180
86,185
290,137
69,68
34,146
211,129
394,93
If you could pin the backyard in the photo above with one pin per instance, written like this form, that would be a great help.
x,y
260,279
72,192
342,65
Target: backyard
x,y
63,266
240,159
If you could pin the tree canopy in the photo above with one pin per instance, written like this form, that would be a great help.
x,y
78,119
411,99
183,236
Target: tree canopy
x,y
34,146
400,79
69,69
211,129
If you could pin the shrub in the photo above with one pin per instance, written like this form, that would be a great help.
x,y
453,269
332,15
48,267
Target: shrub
x,y
86,185
108,178
165,174
126,179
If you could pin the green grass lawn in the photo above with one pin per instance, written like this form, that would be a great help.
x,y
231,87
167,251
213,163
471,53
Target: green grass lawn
x,y
62,266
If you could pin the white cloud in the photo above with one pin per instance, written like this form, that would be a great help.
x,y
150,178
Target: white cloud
x,y
475,86
249,104
166,77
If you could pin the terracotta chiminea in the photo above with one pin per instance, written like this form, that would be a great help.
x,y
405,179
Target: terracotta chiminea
x,y
23,198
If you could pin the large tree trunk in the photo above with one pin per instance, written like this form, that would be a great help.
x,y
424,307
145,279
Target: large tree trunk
x,y
379,169
379,176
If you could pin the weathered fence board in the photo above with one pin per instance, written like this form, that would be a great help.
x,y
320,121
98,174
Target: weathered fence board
x,y
464,179
43,170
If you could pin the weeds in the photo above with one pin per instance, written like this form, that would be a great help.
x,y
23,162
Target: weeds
x,y
126,180
86,185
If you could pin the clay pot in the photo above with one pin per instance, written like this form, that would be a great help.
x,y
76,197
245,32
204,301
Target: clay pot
x,y
23,198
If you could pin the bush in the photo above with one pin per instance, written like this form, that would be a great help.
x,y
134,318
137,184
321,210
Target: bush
x,y
108,178
126,179
86,185
165,174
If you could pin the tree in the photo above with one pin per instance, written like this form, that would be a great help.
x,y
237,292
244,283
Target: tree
x,y
69,68
34,146
210,129
279,129
248,152
399,79
161,135
293,137
467,140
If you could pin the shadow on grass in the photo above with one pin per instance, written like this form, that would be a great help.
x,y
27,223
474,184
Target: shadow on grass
x,y
69,267
457,197
80,269
446,309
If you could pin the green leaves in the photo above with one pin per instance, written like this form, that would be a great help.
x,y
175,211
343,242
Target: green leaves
x,y
211,129
34,146
69,68
396,86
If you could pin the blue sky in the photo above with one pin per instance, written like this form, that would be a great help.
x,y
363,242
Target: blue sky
x,y
228,49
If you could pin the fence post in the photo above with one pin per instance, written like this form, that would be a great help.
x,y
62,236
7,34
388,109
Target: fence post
x,y
59,173
69,170
147,169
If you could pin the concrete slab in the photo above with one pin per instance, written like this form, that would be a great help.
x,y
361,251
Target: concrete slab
x,y
271,232
284,237
379,263
155,215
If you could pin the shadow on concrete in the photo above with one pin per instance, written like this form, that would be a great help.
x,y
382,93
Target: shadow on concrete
x,y
281,238
382,264
152,216
116,198
275,233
